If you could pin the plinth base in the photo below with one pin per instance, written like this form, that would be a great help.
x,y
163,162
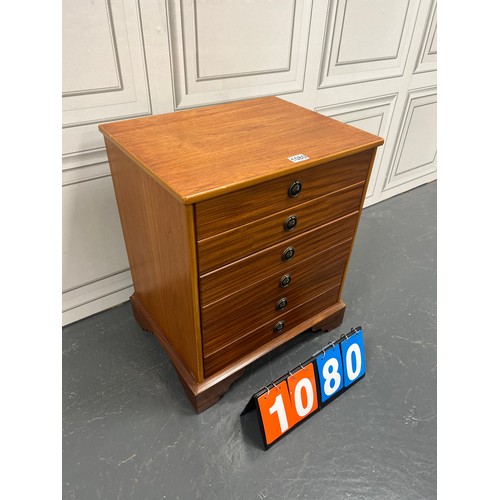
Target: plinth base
x,y
205,393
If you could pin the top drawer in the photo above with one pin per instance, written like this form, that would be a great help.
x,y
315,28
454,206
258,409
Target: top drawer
x,y
255,202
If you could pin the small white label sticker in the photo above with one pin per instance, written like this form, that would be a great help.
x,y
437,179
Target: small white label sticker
x,y
298,158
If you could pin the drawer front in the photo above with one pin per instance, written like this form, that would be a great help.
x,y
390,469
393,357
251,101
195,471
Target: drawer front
x,y
217,359
237,243
240,274
238,208
260,303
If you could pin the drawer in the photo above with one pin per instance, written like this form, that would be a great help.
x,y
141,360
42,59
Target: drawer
x,y
236,243
225,320
237,275
220,357
235,209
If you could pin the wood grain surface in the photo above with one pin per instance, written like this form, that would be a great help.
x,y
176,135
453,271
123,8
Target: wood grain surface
x,y
159,238
246,239
224,354
241,273
222,213
234,316
202,153
201,393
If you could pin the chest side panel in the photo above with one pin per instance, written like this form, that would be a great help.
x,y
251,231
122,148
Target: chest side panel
x,y
159,237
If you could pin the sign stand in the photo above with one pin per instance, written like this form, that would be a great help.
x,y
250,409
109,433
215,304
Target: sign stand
x,y
297,395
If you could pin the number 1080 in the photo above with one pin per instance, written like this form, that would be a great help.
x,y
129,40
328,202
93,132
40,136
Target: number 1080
x,y
305,391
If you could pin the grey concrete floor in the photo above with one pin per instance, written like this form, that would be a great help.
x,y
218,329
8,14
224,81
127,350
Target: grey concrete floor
x,y
129,431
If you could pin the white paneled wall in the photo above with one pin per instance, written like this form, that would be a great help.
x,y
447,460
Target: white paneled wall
x,y
369,63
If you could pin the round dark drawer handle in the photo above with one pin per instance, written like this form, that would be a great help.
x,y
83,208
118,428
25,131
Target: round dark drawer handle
x,y
281,304
285,280
290,223
288,254
294,189
278,327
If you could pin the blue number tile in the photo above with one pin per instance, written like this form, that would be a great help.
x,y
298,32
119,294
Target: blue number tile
x,y
353,357
330,371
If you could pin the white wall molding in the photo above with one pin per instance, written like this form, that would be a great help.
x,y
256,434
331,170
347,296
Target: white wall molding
x,y
366,40
90,264
207,50
285,55
80,24
85,173
85,299
373,114
117,88
415,150
427,57
83,158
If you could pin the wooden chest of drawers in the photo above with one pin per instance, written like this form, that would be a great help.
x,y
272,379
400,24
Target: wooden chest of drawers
x,y
234,248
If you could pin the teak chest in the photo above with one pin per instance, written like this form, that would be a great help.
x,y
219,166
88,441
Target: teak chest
x,y
239,220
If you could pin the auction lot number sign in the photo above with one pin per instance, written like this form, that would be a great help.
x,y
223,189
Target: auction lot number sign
x,y
307,388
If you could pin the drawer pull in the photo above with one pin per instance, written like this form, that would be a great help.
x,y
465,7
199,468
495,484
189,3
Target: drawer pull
x,y
294,189
285,280
288,254
279,326
290,223
281,304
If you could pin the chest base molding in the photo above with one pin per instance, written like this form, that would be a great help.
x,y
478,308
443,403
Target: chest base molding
x,y
204,394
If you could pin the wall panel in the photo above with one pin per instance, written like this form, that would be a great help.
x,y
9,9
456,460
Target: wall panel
x,y
427,60
94,259
415,151
373,115
225,50
366,40
104,73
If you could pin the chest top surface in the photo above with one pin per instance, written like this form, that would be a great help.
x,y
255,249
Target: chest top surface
x,y
206,152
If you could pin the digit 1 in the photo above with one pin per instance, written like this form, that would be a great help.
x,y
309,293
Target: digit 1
x,y
279,407
276,412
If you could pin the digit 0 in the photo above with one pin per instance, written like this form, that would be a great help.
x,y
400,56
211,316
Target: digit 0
x,y
301,408
303,394
353,357
353,352
284,405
